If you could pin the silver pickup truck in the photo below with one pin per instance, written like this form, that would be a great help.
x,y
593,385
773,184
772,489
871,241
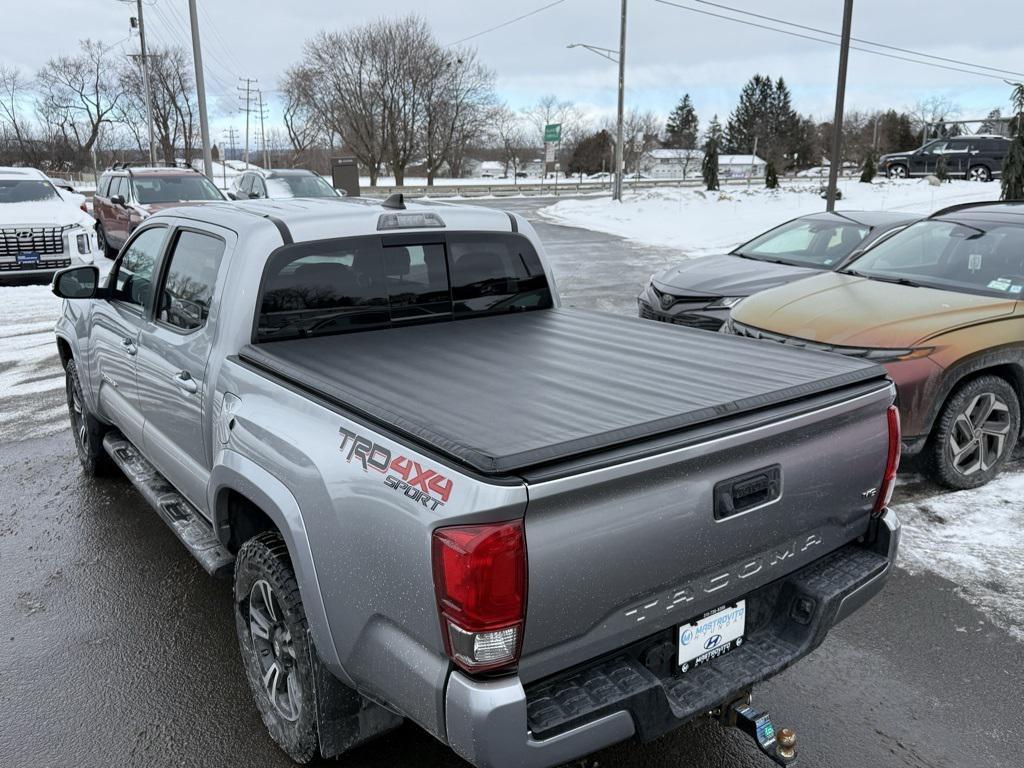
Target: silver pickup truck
x,y
532,530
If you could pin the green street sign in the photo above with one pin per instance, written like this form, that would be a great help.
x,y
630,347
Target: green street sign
x,y
553,132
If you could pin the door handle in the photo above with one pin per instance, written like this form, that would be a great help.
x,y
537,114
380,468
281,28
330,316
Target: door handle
x,y
129,345
185,382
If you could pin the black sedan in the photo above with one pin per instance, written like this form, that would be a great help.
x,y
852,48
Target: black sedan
x,y
701,291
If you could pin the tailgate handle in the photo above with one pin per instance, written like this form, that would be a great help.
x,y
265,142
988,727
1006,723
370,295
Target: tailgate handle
x,y
745,492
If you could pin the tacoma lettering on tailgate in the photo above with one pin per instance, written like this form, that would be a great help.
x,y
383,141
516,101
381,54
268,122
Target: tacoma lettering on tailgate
x,y
427,486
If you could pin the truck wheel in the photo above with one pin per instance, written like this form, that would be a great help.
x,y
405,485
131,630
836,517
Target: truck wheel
x,y
975,434
104,244
88,431
271,626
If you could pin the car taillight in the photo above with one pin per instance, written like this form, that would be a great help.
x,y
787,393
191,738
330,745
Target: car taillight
x,y
480,582
892,462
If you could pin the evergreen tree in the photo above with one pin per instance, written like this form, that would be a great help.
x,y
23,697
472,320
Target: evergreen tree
x,y
765,112
1013,166
592,154
682,125
867,174
709,166
771,178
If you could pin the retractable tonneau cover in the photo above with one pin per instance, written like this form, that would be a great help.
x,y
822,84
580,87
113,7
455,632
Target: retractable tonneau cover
x,y
504,393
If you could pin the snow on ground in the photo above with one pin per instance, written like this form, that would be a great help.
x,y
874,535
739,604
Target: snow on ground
x,y
976,539
701,223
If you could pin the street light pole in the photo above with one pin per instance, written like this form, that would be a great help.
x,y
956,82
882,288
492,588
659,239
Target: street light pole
x,y
145,83
617,192
204,125
837,121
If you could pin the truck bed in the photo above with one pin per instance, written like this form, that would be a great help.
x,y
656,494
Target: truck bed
x,y
505,393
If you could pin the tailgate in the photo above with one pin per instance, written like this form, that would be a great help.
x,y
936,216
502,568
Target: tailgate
x,y
621,552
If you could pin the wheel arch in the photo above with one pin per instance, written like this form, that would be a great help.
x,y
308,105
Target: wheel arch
x,y
64,351
245,500
1007,364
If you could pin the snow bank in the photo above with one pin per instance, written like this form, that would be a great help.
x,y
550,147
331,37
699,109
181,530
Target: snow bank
x,y
974,538
700,223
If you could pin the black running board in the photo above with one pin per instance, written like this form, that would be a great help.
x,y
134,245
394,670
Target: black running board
x,y
181,517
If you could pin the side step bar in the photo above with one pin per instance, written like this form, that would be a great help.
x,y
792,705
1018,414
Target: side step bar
x,y
181,517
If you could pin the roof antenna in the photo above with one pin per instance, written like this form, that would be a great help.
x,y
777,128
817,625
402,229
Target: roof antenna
x,y
396,201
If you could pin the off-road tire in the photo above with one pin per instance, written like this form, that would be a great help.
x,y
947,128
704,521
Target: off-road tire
x,y
104,244
87,430
265,558
940,462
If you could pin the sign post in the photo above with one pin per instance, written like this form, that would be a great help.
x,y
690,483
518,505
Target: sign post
x,y
552,144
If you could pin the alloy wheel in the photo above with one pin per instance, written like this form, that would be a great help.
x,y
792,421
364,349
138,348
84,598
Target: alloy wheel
x,y
898,172
275,651
78,418
978,173
978,437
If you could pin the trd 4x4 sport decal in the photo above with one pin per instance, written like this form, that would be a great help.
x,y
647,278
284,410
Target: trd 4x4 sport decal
x,y
427,486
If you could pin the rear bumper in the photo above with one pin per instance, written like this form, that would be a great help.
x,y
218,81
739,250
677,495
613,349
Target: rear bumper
x,y
636,691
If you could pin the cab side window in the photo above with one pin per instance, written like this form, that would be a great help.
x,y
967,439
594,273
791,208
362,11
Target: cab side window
x,y
104,187
132,282
187,289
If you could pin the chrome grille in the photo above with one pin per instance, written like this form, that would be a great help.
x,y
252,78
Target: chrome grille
x,y
41,240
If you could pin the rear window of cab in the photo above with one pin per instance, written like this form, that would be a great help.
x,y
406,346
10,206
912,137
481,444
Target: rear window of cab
x,y
363,283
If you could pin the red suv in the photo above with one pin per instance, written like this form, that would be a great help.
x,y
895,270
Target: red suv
x,y
125,196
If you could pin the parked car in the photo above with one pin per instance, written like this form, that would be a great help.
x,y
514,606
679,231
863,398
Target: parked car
x,y
978,158
40,230
63,184
939,304
280,184
127,196
432,482
701,292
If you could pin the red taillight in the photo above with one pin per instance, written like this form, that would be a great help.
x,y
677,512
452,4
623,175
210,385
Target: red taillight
x,y
480,581
892,462
84,209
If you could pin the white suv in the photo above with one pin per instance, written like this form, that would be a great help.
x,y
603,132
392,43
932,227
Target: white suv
x,y
40,230
281,184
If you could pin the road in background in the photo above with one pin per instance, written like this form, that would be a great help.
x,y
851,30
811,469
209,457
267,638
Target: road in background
x,y
118,649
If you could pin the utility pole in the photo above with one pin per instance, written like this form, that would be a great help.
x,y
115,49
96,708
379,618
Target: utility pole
x,y
204,125
837,121
249,82
145,83
617,193
263,135
229,135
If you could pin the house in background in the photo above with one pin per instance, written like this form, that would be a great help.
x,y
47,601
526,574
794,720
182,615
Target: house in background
x,y
741,166
671,163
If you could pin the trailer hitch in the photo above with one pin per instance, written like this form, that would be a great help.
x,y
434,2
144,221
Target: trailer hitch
x,y
778,745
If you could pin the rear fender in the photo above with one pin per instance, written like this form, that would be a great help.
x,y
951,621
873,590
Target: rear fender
x,y
234,472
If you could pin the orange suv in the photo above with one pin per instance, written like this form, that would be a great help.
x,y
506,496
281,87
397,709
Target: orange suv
x,y
939,305
125,196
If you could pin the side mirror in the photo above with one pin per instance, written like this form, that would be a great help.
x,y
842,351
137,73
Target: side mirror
x,y
77,283
118,200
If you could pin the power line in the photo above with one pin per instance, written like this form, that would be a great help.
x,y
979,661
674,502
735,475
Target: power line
x,y
859,39
506,23
828,42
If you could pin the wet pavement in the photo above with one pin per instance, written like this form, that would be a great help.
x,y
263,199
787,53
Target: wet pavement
x,y
118,650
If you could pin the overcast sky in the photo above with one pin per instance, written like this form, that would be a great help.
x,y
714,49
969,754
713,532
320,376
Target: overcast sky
x,y
669,51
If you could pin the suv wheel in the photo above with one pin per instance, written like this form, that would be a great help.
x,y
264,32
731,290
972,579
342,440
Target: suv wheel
x,y
88,431
975,434
979,173
101,239
271,626
897,172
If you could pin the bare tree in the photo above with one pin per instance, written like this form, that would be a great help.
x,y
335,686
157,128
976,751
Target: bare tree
x,y
933,112
14,125
303,126
509,134
173,102
549,109
80,92
640,134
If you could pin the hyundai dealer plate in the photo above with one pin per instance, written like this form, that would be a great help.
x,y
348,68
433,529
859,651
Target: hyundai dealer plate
x,y
28,257
714,633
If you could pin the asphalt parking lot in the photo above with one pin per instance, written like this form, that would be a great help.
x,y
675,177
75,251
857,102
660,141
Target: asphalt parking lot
x,y
118,650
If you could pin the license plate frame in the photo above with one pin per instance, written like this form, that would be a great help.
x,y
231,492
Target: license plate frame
x,y
711,635
27,258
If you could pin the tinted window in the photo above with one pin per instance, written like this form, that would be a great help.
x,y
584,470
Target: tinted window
x,y
496,274
174,189
807,242
118,187
352,284
417,280
329,287
957,145
133,281
188,287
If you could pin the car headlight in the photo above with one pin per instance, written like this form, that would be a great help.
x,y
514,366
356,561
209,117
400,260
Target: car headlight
x,y
726,302
892,355
84,246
